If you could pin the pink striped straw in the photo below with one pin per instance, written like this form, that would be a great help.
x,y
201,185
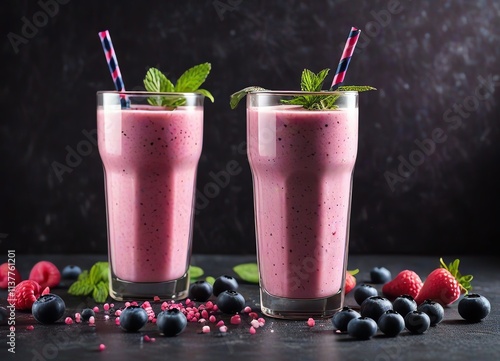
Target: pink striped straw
x,y
350,44
114,69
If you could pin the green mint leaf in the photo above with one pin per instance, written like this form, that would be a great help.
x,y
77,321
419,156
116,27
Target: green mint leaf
x,y
356,88
192,78
247,272
311,82
99,272
83,276
195,272
100,292
237,96
155,81
210,280
81,288
205,93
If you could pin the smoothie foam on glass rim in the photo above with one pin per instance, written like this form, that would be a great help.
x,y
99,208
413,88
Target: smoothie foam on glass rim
x,y
150,145
302,148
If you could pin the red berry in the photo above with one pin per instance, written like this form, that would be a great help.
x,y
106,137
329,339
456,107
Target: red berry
x,y
9,273
405,283
24,295
46,274
444,284
350,281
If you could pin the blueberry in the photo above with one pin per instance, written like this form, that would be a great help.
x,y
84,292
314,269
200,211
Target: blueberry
x,y
171,322
363,291
362,328
133,318
380,275
224,283
230,302
341,318
200,291
391,323
474,307
87,313
417,322
433,309
48,308
374,306
71,272
404,304
4,315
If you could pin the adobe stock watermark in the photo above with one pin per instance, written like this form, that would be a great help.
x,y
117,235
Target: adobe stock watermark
x,y
221,7
74,156
39,19
453,119
11,285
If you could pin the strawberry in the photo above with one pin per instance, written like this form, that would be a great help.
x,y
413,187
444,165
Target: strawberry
x,y
24,295
46,274
444,284
406,282
350,280
9,273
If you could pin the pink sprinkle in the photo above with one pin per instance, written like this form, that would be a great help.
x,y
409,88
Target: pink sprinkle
x,y
106,307
252,330
127,304
262,321
118,312
235,320
255,323
223,329
153,320
92,320
254,315
188,301
134,303
164,306
212,318
153,339
209,305
247,309
146,338
146,304
106,317
112,305
194,319
204,314
215,308
102,347
78,318
96,309
310,322
117,321
202,320
206,329
30,327
156,299
68,320
220,323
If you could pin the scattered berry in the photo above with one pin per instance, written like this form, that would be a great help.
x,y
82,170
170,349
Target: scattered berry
x,y
24,295
247,309
404,304
171,322
133,318
221,323
200,291
311,322
212,319
95,309
30,327
205,329
417,322
224,283
46,274
235,320
106,307
102,347
341,318
256,323
380,275
230,302
71,272
405,283
15,276
362,328
87,313
48,308
373,307
433,309
253,315
68,320
350,281
391,323
363,291
444,284
474,307
252,330
223,329
92,320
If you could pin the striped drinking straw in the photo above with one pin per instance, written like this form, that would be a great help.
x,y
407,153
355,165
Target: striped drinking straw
x,y
350,44
114,69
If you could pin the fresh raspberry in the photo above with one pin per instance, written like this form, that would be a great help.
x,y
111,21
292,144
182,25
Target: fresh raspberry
x,y
15,276
350,280
46,274
24,295
407,282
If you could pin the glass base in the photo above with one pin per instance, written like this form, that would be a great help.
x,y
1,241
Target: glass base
x,y
300,308
121,290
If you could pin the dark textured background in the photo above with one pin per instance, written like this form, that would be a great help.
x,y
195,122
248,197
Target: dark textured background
x,y
425,60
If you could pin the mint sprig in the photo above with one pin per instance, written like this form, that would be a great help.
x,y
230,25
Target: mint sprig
x,y
248,272
189,82
93,282
309,82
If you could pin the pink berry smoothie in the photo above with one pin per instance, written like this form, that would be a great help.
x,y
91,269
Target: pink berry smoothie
x,y
302,164
150,158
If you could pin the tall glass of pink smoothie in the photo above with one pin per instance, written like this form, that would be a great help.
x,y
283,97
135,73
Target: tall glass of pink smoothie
x,y
302,165
150,156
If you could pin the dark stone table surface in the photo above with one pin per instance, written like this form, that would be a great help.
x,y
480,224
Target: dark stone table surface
x,y
452,339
